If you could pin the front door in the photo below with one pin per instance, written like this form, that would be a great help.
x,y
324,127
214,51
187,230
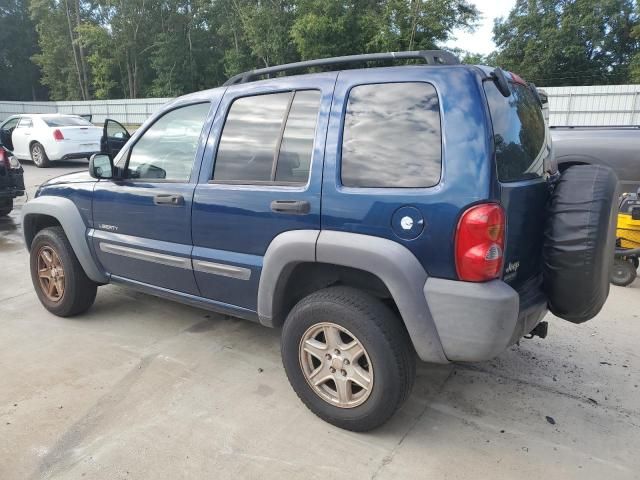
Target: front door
x,y
114,137
142,222
260,177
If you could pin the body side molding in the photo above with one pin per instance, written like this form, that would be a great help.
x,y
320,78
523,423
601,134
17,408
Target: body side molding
x,y
67,214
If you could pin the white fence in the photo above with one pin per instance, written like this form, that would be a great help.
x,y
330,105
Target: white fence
x,y
132,112
592,105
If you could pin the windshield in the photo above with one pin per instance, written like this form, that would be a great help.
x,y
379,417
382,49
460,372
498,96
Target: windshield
x,y
67,122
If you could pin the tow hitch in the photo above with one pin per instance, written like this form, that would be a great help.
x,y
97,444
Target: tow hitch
x,y
540,331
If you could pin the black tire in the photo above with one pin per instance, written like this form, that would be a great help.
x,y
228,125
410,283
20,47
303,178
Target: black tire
x,y
39,155
6,206
636,262
384,339
624,272
79,292
579,242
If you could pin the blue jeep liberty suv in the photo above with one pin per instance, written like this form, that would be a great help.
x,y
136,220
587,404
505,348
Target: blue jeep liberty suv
x,y
373,213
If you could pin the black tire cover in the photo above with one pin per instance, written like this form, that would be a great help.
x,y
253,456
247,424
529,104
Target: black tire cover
x,y
579,242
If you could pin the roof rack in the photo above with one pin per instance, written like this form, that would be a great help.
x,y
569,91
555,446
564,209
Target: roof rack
x,y
431,57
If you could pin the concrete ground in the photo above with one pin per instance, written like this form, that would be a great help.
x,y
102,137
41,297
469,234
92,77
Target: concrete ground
x,y
142,388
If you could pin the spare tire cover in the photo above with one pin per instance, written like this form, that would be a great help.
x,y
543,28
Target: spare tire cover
x,y
579,242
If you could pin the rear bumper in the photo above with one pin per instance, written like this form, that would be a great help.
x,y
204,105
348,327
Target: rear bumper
x,y
67,150
477,321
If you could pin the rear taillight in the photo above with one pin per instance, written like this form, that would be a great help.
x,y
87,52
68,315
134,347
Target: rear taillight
x,y
57,135
480,243
4,158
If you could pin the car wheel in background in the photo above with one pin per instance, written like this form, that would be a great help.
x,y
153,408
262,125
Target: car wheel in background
x,y
58,278
623,273
6,206
39,156
348,357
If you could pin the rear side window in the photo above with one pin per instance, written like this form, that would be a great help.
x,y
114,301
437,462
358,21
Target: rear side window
x,y
268,139
518,132
392,136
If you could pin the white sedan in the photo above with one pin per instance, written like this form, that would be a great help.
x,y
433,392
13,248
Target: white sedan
x,y
47,137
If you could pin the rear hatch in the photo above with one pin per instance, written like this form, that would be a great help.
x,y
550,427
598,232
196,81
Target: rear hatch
x,y
522,155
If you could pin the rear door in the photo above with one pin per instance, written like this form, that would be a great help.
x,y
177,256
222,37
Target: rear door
x,y
261,176
21,137
522,156
142,221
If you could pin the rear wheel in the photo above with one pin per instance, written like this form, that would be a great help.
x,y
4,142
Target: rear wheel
x,y
58,278
623,273
6,206
39,156
348,357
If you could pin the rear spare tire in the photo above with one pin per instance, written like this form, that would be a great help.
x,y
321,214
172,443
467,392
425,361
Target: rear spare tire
x,y
579,242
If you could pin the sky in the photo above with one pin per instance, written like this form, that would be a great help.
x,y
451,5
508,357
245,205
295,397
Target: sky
x,y
481,41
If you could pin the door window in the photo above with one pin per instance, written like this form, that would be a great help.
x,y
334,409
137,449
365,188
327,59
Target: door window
x,y
166,151
11,123
392,136
268,139
25,123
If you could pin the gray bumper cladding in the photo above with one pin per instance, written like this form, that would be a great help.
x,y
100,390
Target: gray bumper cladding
x,y
475,321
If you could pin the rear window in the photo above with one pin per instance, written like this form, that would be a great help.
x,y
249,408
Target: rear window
x,y
392,136
67,122
518,132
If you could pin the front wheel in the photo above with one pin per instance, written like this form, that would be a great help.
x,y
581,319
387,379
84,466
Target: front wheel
x,y
58,278
39,156
348,357
6,206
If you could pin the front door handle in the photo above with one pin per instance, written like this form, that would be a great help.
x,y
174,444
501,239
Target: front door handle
x,y
294,207
168,199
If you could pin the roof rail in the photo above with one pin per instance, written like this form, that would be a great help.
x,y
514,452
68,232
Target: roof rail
x,y
431,57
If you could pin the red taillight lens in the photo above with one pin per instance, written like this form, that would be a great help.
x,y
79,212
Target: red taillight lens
x,y
57,135
480,243
4,158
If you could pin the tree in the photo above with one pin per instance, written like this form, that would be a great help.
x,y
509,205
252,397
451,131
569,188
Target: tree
x,y
19,79
568,42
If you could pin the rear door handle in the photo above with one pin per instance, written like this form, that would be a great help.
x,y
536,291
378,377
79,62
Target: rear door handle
x,y
168,199
294,207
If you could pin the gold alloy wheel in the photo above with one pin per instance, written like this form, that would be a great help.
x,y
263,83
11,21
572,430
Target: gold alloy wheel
x,y
50,274
335,365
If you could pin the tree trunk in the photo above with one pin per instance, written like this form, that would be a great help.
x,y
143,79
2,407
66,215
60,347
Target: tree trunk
x,y
73,48
83,60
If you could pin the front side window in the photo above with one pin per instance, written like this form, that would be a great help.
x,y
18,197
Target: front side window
x,y
11,123
167,150
268,139
392,136
518,132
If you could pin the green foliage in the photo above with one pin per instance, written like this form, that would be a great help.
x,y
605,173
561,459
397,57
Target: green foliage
x,y
19,76
569,42
134,48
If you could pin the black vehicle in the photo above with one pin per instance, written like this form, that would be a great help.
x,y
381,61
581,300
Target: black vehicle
x,y
11,181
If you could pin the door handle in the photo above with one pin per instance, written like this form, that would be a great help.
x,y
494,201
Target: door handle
x,y
294,207
168,199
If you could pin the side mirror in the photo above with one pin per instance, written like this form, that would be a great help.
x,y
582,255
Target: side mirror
x,y
101,166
